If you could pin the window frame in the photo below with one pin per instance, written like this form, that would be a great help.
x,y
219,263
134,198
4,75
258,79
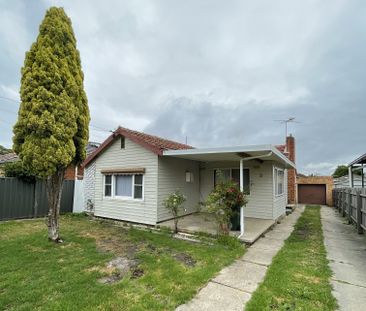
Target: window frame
x,y
231,175
276,170
105,184
113,195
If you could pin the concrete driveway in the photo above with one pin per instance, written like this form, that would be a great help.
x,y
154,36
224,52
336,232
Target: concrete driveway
x,y
346,252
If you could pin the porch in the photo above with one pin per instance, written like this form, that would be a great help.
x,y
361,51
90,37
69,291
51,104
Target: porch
x,y
204,222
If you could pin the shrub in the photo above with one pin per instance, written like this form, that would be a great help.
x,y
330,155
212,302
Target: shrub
x,y
174,202
223,202
16,169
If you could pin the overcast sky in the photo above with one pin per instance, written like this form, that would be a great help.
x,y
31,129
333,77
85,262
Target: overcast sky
x,y
217,72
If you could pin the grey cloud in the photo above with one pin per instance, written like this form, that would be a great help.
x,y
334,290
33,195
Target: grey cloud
x,y
217,72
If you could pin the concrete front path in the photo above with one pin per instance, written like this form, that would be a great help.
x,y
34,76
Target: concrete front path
x,y
346,252
232,288
204,222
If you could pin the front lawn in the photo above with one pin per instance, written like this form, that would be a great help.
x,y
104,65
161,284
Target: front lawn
x,y
38,275
298,278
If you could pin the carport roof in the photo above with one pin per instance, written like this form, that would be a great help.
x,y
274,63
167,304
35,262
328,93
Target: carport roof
x,y
359,160
234,153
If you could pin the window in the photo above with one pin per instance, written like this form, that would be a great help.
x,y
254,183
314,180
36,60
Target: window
x,y
122,142
138,186
107,185
189,177
226,174
279,179
124,186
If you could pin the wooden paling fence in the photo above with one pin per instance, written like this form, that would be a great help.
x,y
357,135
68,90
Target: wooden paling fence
x,y
351,203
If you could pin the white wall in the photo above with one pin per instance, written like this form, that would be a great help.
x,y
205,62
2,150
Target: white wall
x,y
89,186
260,200
172,177
78,204
132,156
280,202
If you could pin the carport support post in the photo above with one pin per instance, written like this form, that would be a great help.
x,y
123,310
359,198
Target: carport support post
x,y
350,176
242,207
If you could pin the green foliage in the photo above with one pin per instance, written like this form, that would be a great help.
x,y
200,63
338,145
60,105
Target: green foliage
x,y
16,169
174,202
4,150
342,170
223,202
52,127
229,241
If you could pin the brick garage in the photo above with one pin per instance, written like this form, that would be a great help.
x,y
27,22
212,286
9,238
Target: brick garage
x,y
313,188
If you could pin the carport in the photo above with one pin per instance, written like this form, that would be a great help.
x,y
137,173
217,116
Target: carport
x,y
357,165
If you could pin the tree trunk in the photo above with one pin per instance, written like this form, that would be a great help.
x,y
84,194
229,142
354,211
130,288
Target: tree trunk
x,y
176,225
54,190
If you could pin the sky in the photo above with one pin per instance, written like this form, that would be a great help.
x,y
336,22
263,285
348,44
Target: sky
x,y
214,73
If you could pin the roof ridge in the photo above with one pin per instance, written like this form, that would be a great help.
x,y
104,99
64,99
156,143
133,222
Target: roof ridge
x,y
154,136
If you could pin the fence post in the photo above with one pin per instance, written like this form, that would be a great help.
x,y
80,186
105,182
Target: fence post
x,y
359,212
349,206
343,203
339,201
35,204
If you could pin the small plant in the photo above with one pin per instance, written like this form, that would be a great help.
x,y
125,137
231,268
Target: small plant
x,y
174,202
223,202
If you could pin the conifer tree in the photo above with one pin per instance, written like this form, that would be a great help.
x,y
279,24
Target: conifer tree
x,y
52,127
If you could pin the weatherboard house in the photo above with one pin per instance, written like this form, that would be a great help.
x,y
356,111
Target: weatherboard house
x,y
131,173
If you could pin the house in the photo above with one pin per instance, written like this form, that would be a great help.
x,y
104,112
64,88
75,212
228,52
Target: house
x,y
344,181
71,172
131,173
7,158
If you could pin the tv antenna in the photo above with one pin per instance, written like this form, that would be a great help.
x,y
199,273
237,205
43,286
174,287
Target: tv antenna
x,y
286,122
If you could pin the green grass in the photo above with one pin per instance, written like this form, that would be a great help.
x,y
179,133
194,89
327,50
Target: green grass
x,y
298,278
38,275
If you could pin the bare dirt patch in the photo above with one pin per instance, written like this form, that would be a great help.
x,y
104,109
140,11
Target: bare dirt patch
x,y
186,259
119,268
115,241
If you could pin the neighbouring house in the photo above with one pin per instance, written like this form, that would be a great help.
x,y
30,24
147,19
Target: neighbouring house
x,y
71,172
356,168
315,189
131,173
7,158
344,181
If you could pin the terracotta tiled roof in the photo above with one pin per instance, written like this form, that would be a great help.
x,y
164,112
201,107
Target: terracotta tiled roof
x,y
91,147
9,157
281,148
153,143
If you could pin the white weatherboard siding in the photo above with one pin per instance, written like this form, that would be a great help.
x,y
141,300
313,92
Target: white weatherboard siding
x,y
172,176
132,156
89,186
280,202
260,200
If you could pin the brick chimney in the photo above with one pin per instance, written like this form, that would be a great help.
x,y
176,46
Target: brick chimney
x,y
291,173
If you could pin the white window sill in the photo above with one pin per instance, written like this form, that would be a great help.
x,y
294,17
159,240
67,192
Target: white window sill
x,y
129,199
